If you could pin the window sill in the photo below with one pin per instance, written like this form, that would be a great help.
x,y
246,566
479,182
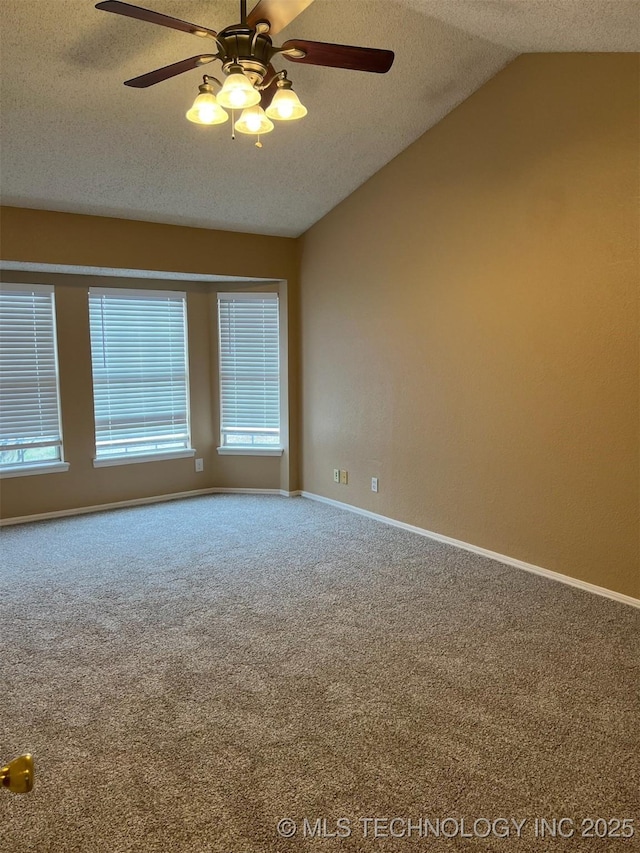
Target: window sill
x,y
30,470
109,461
250,451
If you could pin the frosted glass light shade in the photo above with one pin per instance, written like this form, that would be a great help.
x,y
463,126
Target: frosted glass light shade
x,y
207,110
286,106
254,121
238,93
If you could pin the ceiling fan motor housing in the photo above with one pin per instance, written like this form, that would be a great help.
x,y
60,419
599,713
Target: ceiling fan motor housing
x,y
245,47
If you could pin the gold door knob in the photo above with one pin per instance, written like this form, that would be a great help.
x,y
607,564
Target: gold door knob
x,y
17,776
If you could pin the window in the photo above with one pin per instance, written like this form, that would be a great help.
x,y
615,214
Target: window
x,y
140,375
249,371
30,432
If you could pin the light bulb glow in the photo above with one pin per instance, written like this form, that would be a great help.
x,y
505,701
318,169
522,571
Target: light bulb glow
x,y
238,93
238,97
254,121
206,110
286,106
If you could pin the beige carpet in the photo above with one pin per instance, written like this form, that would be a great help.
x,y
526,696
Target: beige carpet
x,y
189,674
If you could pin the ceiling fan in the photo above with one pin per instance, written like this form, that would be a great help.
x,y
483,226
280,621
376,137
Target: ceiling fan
x,y
245,51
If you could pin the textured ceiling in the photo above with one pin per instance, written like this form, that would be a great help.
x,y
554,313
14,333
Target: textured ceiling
x,y
75,139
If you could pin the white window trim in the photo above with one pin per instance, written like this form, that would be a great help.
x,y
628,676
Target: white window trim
x,y
29,470
130,458
250,451
137,293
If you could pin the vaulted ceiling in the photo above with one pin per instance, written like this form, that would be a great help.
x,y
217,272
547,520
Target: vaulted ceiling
x,y
75,139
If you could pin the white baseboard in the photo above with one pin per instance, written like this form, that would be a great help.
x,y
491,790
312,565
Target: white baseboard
x,y
220,490
492,555
283,492
85,510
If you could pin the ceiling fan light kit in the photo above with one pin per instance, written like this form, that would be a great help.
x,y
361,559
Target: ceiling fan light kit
x,y
238,92
286,105
245,51
254,121
206,109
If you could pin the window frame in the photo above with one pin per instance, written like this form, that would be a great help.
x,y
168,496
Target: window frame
x,y
252,450
132,457
45,466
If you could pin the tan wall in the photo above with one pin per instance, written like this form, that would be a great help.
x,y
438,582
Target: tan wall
x,y
40,236
55,238
470,325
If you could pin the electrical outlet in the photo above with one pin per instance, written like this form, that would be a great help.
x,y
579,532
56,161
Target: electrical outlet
x,y
374,484
199,466
344,477
336,475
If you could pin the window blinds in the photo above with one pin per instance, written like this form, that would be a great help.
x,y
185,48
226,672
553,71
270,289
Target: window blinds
x,y
249,369
140,374
30,413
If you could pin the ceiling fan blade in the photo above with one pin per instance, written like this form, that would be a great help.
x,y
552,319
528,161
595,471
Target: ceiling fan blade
x,y
340,55
278,13
154,18
168,71
267,94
